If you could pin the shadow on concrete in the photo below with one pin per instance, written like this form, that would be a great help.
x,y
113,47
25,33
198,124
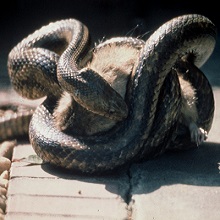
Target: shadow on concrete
x,y
116,182
198,167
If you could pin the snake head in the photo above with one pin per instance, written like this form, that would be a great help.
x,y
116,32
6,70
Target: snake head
x,y
93,92
115,106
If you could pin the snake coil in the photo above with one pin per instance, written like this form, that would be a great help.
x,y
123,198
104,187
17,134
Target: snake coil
x,y
47,62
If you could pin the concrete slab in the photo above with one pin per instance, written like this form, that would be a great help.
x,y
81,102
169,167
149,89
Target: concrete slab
x,y
43,192
178,186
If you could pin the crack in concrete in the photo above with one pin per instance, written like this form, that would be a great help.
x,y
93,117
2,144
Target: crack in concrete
x,y
128,197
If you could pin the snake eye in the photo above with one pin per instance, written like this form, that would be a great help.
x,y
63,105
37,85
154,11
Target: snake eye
x,y
111,111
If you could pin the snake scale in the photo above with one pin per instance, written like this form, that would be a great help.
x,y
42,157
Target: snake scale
x,y
53,60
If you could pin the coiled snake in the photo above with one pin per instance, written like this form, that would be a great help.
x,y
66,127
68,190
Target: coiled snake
x,y
53,60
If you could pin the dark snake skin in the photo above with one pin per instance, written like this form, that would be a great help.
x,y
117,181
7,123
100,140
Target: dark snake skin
x,y
46,63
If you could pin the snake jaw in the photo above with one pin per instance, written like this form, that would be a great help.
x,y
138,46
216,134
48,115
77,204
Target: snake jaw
x,y
108,104
118,110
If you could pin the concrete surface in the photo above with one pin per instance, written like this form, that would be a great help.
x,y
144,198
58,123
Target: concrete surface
x,y
39,192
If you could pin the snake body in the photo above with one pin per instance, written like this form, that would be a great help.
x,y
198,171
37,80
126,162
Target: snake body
x,y
52,60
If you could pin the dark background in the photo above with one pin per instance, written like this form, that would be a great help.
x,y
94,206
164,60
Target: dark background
x,y
104,18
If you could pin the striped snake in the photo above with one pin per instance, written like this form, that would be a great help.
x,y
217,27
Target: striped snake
x,y
150,117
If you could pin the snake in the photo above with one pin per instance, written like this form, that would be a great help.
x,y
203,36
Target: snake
x,y
52,60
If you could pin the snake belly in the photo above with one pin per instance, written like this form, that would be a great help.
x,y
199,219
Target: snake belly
x,y
153,97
